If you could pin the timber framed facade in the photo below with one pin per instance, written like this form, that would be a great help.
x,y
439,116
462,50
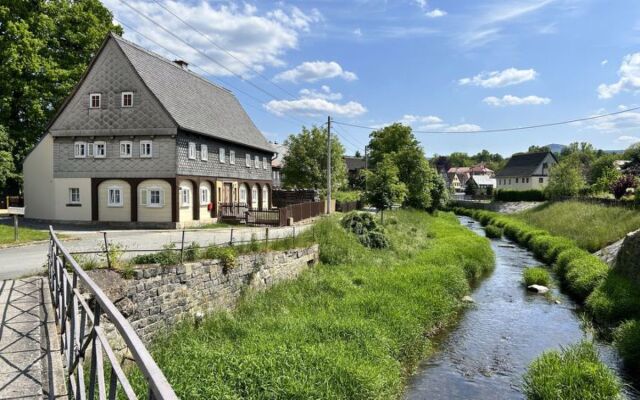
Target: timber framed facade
x,y
142,140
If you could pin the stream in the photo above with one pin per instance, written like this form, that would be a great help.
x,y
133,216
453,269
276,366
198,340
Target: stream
x,y
486,354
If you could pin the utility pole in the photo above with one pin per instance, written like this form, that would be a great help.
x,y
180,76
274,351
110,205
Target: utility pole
x,y
366,157
329,165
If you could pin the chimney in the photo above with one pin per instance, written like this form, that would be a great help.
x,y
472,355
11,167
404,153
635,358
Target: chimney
x,y
183,64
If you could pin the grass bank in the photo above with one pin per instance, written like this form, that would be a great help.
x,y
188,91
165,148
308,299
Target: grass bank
x,y
591,226
25,235
350,328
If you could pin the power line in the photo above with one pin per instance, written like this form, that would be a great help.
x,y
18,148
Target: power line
x,y
520,128
294,119
198,50
223,49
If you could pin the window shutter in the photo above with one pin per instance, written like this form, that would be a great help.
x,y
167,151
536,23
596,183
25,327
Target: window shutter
x,y
90,149
161,198
144,193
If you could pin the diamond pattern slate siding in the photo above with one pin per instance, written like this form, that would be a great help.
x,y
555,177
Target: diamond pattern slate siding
x,y
161,165
214,167
111,75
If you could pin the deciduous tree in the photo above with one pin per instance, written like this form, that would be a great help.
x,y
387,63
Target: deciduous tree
x,y
384,188
565,179
305,165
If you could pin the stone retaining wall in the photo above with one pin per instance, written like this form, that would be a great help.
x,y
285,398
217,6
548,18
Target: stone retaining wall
x,y
158,297
504,207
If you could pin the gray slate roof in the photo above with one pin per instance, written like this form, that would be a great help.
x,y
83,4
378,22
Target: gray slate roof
x,y
523,164
193,102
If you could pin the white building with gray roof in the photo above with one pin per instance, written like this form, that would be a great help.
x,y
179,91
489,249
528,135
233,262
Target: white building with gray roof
x,y
142,140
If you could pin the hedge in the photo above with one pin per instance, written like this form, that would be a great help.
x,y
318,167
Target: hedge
x,y
519,195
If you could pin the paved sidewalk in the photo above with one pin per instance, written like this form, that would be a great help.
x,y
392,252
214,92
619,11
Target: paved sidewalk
x,y
21,370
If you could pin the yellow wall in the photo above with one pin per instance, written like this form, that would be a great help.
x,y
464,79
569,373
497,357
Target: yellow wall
x,y
533,184
106,213
65,212
155,214
186,212
204,212
38,181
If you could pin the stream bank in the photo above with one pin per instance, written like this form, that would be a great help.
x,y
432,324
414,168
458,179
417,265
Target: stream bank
x,y
485,356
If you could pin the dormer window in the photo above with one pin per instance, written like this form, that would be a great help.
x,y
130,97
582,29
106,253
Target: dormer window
x,y
95,100
127,99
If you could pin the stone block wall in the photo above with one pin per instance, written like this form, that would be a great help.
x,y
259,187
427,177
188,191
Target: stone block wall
x,y
159,297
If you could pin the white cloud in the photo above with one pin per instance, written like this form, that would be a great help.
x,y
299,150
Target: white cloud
x,y
312,71
436,13
421,3
612,123
463,128
494,79
488,26
314,102
258,40
510,100
410,119
324,93
628,140
357,32
604,62
629,74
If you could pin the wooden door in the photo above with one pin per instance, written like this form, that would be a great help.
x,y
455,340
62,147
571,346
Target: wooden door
x,y
226,193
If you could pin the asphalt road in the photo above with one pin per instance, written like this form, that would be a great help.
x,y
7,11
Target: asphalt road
x,y
30,259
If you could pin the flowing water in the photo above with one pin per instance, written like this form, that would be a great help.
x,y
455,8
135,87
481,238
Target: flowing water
x,y
485,356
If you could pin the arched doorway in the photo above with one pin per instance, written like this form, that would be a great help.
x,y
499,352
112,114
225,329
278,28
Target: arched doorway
x,y
254,196
243,194
265,197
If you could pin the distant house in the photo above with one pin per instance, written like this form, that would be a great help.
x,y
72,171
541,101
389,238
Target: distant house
x,y
277,163
485,183
458,176
526,171
354,166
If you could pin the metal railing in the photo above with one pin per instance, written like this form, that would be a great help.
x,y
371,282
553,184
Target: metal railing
x,y
82,336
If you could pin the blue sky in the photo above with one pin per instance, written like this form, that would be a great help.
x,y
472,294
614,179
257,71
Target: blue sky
x,y
454,66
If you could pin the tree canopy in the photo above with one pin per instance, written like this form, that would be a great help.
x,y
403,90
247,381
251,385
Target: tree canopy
x,y
384,188
425,187
565,179
45,46
305,165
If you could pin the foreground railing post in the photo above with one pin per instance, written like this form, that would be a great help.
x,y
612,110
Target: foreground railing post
x,y
106,249
94,344
182,248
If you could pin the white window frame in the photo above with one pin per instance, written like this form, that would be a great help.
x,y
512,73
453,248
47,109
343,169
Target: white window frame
x,y
143,144
204,196
185,202
71,196
247,160
96,153
264,163
78,145
256,161
130,144
111,203
91,96
122,96
222,156
191,151
204,152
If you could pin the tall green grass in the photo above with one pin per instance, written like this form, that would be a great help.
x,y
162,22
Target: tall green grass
x,y
574,373
350,328
591,226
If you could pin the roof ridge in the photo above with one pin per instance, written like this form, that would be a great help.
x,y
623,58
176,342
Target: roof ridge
x,y
166,60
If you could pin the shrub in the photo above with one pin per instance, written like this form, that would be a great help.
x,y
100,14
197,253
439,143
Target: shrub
x,y
167,256
547,247
192,252
536,276
493,231
226,255
627,341
574,373
519,195
365,227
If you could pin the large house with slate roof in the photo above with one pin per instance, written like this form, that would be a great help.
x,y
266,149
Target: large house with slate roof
x,y
143,140
526,171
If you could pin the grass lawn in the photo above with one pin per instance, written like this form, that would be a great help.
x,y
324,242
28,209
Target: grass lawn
x,y
24,234
350,328
217,225
591,226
